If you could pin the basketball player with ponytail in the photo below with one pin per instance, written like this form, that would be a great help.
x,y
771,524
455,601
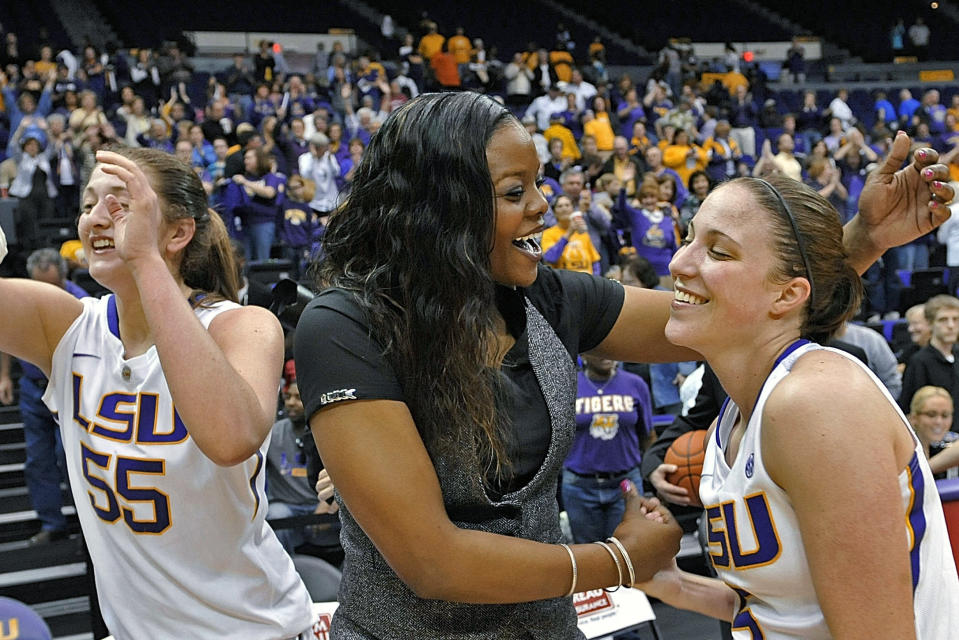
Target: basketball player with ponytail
x,y
823,515
165,391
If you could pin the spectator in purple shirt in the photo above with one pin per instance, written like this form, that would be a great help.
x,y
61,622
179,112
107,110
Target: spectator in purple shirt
x,y
613,422
254,197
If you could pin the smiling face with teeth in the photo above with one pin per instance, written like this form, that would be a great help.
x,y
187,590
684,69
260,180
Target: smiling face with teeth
x,y
95,225
933,417
722,273
514,168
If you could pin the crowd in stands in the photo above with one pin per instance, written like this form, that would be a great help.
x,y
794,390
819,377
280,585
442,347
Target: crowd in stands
x,y
250,127
626,161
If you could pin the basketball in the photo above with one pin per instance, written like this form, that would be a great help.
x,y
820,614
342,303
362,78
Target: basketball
x,y
687,452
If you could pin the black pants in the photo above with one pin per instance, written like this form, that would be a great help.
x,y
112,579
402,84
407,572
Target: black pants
x,y
30,210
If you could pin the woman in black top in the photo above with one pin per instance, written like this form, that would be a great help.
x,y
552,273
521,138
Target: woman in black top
x,y
437,373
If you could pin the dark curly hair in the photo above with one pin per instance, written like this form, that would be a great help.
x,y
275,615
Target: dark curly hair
x,y
412,242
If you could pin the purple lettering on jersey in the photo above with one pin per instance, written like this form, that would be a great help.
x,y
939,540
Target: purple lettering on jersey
x,y
118,408
724,532
744,620
717,536
127,467
111,410
917,517
147,423
77,388
764,530
112,511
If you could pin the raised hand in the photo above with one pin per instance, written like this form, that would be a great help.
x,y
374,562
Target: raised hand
x,y
136,222
899,205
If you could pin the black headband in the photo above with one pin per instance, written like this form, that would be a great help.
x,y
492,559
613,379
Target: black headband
x,y
799,240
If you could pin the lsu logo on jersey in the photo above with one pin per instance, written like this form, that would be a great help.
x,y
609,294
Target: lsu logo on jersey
x,y
742,534
115,482
127,417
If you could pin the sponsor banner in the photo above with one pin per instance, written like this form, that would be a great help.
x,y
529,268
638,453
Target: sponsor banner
x,y
600,613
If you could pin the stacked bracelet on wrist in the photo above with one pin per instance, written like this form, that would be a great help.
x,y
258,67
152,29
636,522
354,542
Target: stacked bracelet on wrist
x,y
572,559
619,568
629,563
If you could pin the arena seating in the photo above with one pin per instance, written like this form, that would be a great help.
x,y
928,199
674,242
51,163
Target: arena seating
x,y
653,25
863,28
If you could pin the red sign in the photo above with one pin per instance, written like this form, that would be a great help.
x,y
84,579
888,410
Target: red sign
x,y
588,603
321,628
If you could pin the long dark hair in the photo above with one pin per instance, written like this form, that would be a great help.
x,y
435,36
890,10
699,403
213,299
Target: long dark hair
x,y
412,242
207,264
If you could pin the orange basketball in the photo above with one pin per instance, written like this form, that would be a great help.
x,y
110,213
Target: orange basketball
x,y
687,452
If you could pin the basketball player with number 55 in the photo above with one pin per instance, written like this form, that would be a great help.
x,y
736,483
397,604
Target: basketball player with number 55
x,y
165,392
823,516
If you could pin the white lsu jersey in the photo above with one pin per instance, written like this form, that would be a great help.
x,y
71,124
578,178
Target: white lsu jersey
x,y
755,542
180,545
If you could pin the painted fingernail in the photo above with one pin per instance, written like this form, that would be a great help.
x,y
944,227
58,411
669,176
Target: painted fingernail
x,y
626,485
922,154
936,184
934,205
928,173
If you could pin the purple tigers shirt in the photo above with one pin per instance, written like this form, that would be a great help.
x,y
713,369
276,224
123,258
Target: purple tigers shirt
x,y
609,425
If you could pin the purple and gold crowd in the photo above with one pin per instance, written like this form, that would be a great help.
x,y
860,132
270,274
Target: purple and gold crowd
x,y
276,148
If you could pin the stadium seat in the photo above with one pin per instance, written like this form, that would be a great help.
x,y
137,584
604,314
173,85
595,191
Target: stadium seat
x,y
321,578
269,271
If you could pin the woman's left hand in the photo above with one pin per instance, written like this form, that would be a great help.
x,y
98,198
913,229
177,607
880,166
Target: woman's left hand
x,y
898,205
324,493
136,224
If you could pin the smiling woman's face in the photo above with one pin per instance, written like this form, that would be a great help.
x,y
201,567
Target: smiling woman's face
x,y
514,168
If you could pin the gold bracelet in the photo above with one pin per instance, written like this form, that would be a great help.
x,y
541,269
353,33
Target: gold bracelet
x,y
619,568
629,563
572,559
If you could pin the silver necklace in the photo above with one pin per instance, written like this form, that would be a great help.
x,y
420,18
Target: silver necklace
x,y
598,389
